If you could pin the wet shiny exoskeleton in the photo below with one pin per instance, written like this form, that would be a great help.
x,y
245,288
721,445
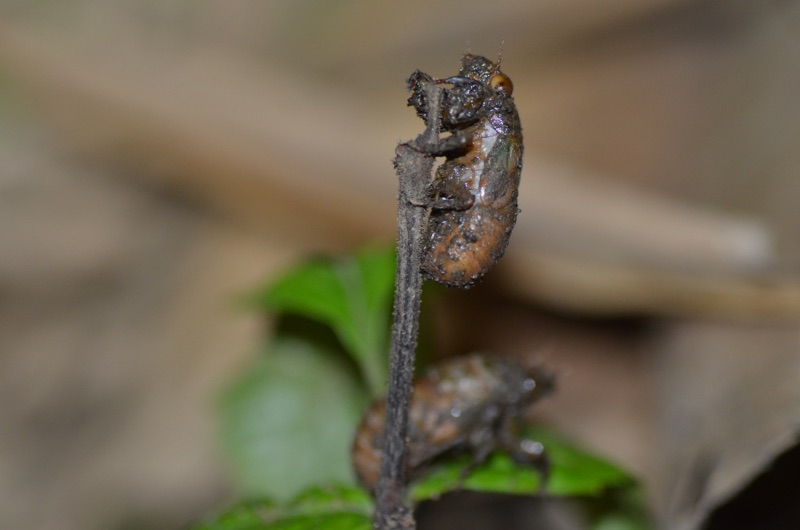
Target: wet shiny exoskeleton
x,y
469,403
473,197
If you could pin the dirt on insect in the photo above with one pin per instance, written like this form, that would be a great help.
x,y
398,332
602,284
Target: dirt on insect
x,y
473,196
469,403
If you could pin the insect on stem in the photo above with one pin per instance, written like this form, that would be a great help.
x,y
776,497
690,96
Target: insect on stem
x,y
464,215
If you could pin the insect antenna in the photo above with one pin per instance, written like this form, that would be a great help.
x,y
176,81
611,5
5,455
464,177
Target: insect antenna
x,y
499,57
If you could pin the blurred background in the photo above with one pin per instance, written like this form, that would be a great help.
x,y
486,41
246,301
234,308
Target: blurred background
x,y
158,159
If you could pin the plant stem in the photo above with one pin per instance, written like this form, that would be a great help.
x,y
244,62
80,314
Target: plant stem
x,y
413,164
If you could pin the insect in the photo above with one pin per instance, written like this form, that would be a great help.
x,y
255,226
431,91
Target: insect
x,y
473,196
468,403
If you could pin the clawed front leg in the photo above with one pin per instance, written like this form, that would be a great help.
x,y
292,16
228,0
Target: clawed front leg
x,y
532,453
451,146
447,195
524,450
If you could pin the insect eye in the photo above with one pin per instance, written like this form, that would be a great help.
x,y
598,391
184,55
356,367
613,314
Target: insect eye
x,y
501,83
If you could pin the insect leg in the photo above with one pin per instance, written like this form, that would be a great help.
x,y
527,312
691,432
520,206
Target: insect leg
x,y
524,450
446,195
482,443
451,146
459,80
532,453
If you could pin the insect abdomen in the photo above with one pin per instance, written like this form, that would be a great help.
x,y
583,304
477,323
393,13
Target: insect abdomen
x,y
462,245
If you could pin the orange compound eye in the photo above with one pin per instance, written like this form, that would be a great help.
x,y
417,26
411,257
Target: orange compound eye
x,y
501,83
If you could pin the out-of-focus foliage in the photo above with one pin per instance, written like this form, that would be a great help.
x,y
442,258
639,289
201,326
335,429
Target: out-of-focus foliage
x,y
352,295
289,421
574,472
328,508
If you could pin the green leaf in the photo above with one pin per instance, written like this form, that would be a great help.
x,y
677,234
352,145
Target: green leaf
x,y
332,521
352,295
320,508
577,472
248,515
319,499
327,508
288,423
573,472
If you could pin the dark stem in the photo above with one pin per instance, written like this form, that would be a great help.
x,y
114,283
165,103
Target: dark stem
x,y
413,166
